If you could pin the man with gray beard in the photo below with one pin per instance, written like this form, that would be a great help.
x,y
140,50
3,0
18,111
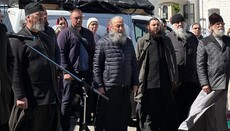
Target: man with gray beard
x,y
34,77
185,46
213,67
115,72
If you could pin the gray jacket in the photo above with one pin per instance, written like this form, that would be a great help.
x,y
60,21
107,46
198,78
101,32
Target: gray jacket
x,y
213,62
115,64
170,56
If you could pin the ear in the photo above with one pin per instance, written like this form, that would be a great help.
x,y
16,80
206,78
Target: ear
x,y
147,27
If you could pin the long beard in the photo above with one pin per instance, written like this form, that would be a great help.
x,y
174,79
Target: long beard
x,y
118,38
181,33
38,26
219,33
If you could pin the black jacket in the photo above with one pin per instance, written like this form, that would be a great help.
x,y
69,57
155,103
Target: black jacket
x,y
213,62
6,69
34,77
186,57
115,64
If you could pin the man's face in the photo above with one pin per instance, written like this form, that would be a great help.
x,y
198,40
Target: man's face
x,y
36,21
218,28
76,19
196,30
118,25
178,25
154,27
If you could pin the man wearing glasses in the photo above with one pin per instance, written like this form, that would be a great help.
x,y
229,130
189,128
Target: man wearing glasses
x,y
77,46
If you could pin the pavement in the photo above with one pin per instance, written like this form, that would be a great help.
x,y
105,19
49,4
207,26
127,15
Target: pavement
x,y
75,126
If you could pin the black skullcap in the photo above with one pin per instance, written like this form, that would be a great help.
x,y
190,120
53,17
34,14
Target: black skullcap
x,y
214,18
177,18
32,8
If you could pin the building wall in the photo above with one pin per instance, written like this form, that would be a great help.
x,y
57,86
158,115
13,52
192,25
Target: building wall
x,y
201,10
222,5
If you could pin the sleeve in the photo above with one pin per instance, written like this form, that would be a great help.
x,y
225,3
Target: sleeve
x,y
134,79
10,59
18,50
98,64
62,41
202,64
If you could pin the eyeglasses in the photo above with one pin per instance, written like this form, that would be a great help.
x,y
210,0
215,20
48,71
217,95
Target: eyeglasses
x,y
196,28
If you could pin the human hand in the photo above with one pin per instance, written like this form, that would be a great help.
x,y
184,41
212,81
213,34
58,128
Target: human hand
x,y
68,77
101,90
135,88
206,89
22,103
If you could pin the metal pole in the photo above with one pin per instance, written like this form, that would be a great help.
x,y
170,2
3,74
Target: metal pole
x,y
85,84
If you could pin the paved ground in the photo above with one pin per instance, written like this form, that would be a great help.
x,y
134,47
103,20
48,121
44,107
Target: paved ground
x,y
75,127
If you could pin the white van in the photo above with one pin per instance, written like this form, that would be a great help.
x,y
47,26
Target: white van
x,y
135,25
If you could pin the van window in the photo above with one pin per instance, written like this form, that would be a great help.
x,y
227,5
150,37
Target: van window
x,y
140,28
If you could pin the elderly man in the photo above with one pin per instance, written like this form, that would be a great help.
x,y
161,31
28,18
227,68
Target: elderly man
x,y
34,77
213,67
115,72
6,69
77,49
185,46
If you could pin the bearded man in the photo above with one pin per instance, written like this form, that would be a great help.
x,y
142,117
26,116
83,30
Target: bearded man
x,y
158,75
34,78
115,72
185,46
213,67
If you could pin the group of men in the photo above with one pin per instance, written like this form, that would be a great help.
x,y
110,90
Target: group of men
x,y
166,73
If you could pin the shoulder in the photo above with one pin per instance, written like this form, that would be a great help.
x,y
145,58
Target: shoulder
x,y
3,27
145,37
171,34
104,41
206,40
87,31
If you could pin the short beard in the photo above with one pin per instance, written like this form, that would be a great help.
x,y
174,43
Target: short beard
x,y
219,33
181,33
118,38
38,26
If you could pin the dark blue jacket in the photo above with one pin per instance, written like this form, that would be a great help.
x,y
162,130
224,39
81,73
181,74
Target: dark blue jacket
x,y
69,45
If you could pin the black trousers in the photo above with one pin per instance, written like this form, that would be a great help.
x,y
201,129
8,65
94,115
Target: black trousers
x,y
114,114
157,110
185,95
4,127
40,118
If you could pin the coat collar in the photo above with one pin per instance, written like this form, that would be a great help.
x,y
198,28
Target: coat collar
x,y
225,41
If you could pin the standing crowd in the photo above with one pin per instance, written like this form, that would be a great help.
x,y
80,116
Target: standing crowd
x,y
179,79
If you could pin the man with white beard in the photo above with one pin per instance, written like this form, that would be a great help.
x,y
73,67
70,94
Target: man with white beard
x,y
115,72
185,46
213,67
34,77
